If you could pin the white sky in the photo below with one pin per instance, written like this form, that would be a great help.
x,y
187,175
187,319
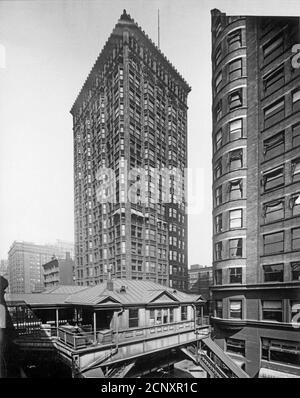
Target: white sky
x,y
47,49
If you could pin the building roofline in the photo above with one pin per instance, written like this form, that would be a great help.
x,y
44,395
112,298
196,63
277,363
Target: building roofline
x,y
126,20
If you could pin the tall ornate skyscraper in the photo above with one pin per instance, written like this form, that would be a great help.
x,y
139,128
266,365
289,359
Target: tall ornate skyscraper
x,y
256,191
131,113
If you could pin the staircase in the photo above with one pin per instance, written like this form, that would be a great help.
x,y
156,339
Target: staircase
x,y
214,360
120,371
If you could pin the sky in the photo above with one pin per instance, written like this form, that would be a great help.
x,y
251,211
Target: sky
x,y
47,49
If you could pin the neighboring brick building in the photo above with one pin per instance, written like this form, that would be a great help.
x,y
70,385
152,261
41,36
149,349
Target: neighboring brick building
x,y
200,282
59,272
131,113
256,189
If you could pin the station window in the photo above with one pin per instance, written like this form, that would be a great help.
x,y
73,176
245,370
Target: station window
x,y
184,313
133,317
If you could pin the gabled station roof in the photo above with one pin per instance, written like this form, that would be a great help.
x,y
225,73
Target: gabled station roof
x,y
124,292
36,299
130,292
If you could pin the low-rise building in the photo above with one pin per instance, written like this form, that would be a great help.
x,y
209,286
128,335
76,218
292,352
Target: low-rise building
x,y
59,272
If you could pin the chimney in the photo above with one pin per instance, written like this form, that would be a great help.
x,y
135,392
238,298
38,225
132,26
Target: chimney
x,y
110,284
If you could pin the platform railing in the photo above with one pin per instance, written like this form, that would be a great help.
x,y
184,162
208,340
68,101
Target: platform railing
x,y
83,339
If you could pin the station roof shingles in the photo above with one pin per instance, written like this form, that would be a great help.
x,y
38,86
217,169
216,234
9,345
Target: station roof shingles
x,y
135,292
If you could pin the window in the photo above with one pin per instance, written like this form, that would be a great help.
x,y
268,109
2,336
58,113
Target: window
x,y
218,277
236,275
218,250
235,69
236,248
296,100
218,54
234,40
235,218
235,100
273,179
274,113
133,317
158,317
295,308
273,211
218,81
218,223
272,310
296,239
235,159
219,309
295,268
152,317
184,313
218,196
296,169
296,134
273,49
235,346
273,81
235,129
218,169
235,189
218,139
295,204
274,243
274,146
218,26
171,315
218,111
273,273
287,352
165,315
235,309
